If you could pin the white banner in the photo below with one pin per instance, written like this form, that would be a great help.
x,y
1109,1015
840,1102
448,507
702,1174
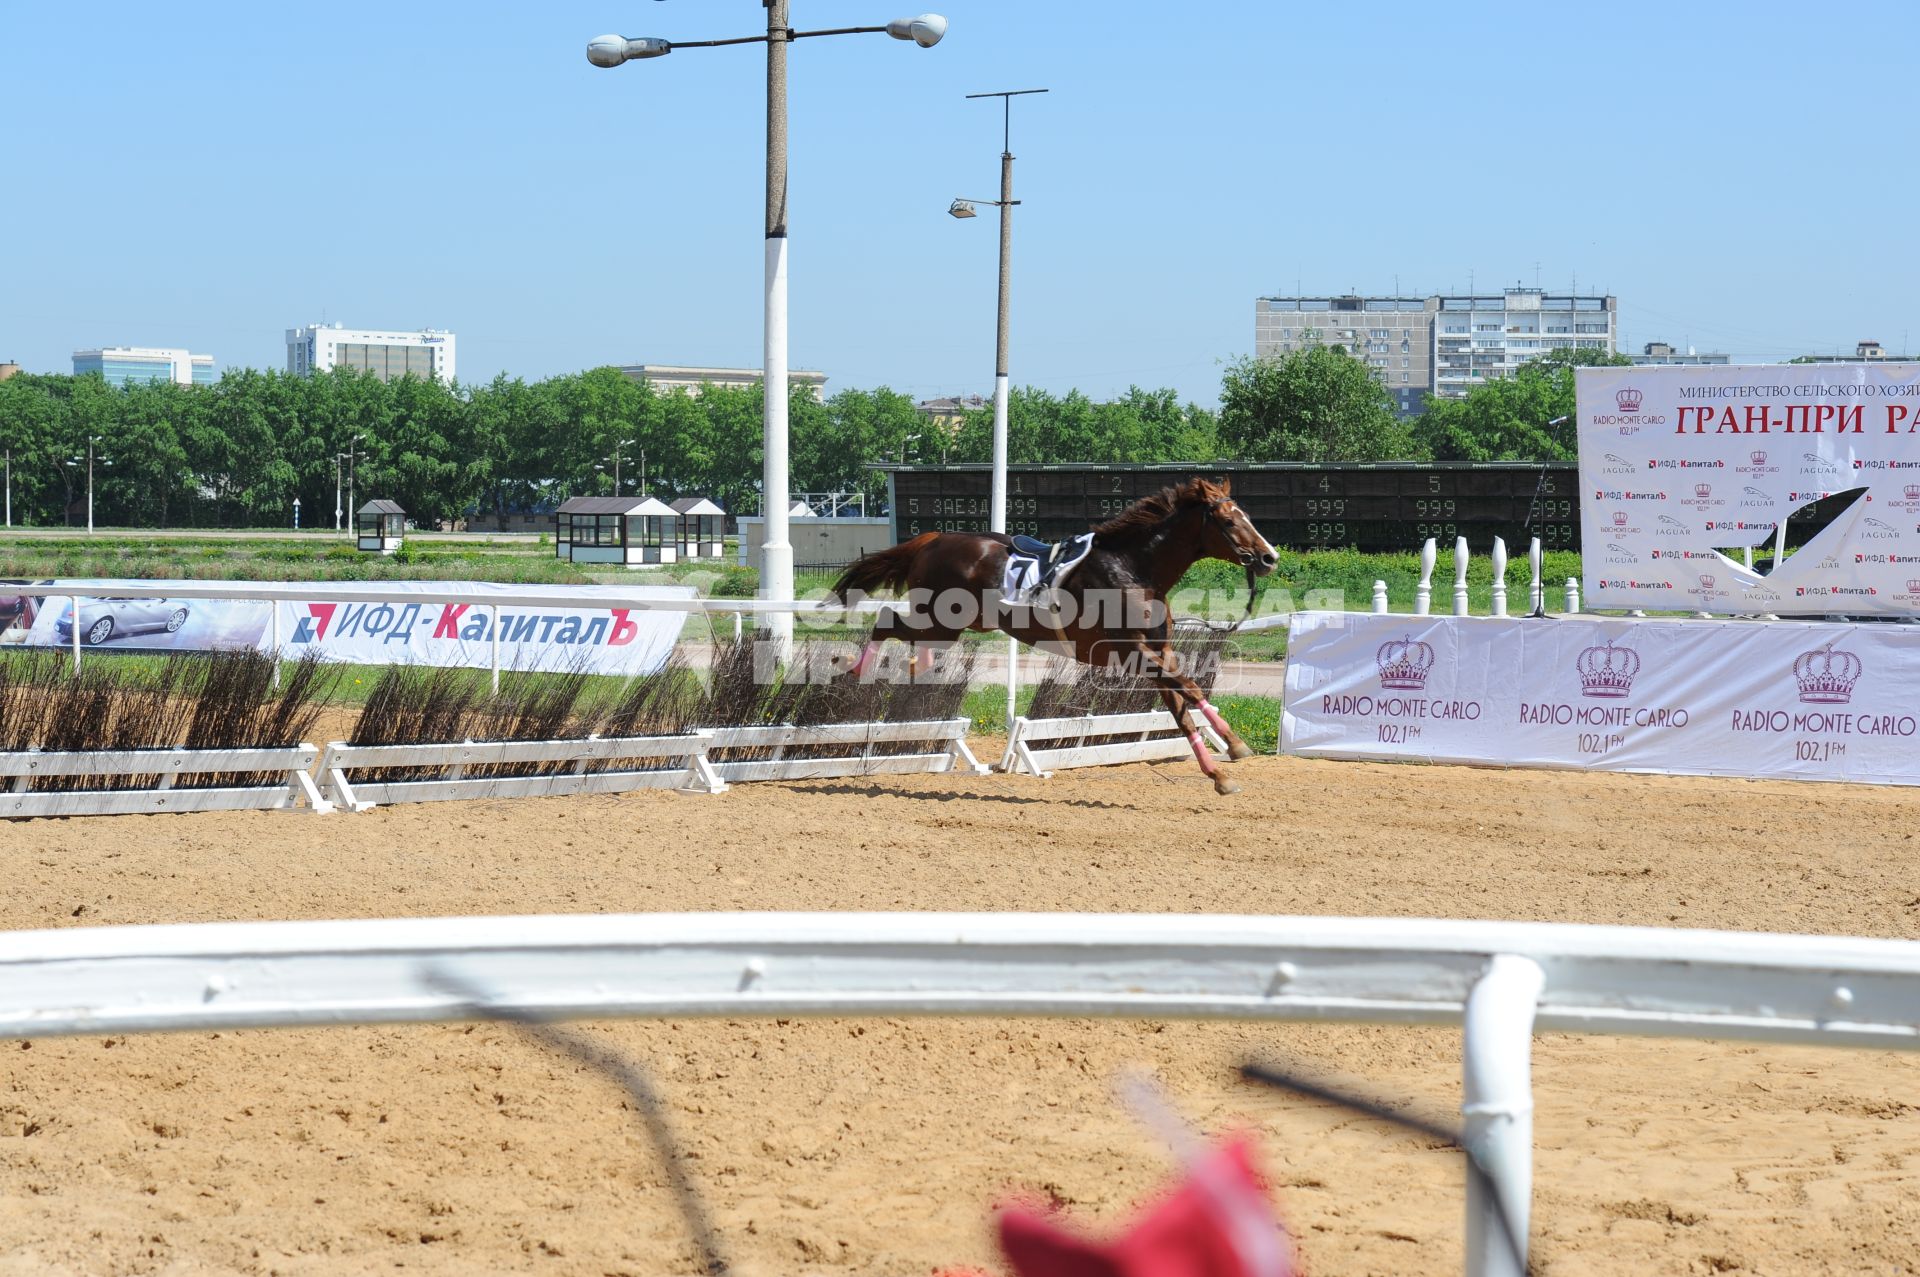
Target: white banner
x,y
595,640
1680,463
1796,700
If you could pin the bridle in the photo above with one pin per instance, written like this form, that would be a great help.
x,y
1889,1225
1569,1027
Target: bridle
x,y
1247,557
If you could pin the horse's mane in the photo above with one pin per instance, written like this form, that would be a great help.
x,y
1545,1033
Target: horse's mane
x,y
1150,512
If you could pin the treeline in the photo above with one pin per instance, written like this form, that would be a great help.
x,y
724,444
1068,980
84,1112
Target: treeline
x,y
239,452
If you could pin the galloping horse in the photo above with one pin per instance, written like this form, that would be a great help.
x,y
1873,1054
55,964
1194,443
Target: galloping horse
x,y
1111,609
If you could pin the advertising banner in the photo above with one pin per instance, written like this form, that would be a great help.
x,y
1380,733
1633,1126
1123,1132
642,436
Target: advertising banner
x,y
596,640
1683,466
1787,699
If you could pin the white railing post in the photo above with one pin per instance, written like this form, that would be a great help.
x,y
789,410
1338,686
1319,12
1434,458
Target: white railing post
x,y
76,634
1423,593
1380,598
274,644
1497,1076
1499,605
1537,591
1013,681
1573,595
1460,556
493,628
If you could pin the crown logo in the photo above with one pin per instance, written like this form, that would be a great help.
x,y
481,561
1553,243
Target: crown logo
x,y
1703,490
1619,518
1628,399
1913,491
1913,587
1706,581
1607,672
1826,677
1759,458
1404,664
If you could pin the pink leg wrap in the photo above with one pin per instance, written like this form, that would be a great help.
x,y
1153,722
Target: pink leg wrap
x,y
1200,752
1213,717
867,653
923,661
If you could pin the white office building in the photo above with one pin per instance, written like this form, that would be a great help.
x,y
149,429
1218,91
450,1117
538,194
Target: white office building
x,y
319,348
1435,345
121,365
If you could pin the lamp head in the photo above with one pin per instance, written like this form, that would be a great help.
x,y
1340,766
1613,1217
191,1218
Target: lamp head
x,y
924,30
961,208
612,50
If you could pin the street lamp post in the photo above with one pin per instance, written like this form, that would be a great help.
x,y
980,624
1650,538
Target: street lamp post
x,y
91,440
611,51
997,509
337,457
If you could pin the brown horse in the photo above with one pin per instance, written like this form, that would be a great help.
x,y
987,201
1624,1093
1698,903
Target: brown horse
x,y
1110,611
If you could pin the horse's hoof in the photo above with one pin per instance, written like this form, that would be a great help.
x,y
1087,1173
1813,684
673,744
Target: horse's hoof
x,y
1239,750
1222,785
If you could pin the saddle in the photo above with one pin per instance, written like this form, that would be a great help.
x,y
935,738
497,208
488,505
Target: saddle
x,y
1035,567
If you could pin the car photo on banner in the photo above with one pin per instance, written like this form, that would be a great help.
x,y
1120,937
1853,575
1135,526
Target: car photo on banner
x,y
105,619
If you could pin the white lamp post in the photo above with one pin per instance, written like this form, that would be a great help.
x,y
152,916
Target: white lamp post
x,y
611,51
997,508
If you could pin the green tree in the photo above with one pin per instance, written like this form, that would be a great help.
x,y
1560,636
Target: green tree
x,y
1316,404
1526,417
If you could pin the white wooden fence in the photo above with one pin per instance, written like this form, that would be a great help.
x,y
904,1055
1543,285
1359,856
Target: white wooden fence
x,y
1502,981
280,780
796,750
1034,748
686,768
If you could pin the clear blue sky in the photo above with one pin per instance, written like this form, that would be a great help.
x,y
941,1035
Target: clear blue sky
x,y
1742,176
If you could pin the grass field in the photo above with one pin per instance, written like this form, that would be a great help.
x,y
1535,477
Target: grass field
x,y
1337,579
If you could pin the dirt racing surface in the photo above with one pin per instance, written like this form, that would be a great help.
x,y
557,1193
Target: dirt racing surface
x,y
876,1147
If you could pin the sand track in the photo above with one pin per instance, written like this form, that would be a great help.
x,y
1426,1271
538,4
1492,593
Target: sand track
x,y
874,1146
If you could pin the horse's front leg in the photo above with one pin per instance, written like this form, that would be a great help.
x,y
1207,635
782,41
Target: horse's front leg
x,y
1237,749
1180,697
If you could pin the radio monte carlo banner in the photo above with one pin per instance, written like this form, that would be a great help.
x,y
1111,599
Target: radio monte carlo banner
x,y
1682,466
597,640
1789,699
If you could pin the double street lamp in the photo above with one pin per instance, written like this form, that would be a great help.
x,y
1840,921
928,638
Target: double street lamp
x,y
338,457
613,50
962,208
615,459
74,461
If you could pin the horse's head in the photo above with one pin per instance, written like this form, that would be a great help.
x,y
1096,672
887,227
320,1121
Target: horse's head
x,y
1227,533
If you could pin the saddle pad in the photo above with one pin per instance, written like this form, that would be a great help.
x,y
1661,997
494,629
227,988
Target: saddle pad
x,y
1033,567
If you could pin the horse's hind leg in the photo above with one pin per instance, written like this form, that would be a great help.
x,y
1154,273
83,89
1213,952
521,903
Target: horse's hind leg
x,y
1178,704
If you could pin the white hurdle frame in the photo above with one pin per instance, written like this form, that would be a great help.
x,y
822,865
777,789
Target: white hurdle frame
x,y
294,788
1502,981
694,775
946,736
1022,758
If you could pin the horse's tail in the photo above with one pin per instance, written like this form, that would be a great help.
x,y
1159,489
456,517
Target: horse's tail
x,y
883,569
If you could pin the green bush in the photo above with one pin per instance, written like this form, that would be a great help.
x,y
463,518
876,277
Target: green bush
x,y
736,582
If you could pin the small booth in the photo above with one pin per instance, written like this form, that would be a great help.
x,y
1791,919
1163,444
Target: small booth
x,y
630,531
382,526
703,528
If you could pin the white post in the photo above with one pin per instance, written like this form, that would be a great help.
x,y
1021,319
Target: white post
x,y
776,550
1379,598
1423,593
76,633
1779,547
493,630
1460,556
1746,557
1499,607
1537,591
1573,594
1013,681
1498,1107
274,606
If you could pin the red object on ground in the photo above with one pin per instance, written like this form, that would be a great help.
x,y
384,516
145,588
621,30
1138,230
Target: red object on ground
x,y
1217,1222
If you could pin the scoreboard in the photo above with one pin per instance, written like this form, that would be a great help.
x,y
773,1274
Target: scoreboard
x,y
1384,506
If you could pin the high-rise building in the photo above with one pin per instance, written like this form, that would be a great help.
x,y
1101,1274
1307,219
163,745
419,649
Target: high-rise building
x,y
667,378
1443,346
120,365
317,348
1393,335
